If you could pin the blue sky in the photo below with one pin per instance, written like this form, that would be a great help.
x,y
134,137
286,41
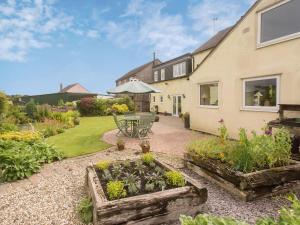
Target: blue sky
x,y
93,42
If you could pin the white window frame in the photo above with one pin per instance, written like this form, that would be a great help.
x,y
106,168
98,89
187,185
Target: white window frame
x,y
262,108
199,97
163,74
155,76
181,67
277,40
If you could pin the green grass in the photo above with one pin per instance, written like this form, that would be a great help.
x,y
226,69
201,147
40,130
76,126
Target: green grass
x,y
85,138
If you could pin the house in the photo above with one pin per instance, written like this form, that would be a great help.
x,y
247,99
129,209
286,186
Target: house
x,y
73,88
172,77
250,72
143,73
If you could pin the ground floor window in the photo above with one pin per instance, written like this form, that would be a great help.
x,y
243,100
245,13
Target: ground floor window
x,y
161,98
261,93
209,94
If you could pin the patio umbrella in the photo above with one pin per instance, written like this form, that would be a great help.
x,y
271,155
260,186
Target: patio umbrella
x,y
134,86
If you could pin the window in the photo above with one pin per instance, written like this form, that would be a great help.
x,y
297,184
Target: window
x,y
209,94
162,74
161,98
261,93
156,76
179,69
153,99
279,23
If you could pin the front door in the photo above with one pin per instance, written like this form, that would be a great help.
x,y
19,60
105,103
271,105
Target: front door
x,y
176,105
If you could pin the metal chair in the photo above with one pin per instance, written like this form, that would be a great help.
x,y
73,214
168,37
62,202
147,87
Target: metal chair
x,y
143,128
122,126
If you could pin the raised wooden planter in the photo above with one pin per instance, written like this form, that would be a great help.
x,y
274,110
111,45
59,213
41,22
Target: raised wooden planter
x,y
154,208
247,186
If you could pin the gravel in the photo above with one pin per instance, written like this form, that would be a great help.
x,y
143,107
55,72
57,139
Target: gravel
x,y
51,196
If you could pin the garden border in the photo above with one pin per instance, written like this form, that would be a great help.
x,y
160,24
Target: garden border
x,y
153,208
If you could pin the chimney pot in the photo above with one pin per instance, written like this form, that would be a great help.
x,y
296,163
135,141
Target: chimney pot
x,y
60,87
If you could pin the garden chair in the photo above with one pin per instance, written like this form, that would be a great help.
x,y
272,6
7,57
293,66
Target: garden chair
x,y
143,128
122,126
152,116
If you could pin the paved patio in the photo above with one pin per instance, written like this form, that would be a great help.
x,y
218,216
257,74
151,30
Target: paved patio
x,y
169,137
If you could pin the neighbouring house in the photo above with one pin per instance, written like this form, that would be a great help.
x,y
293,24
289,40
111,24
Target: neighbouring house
x,y
143,73
250,72
172,78
70,93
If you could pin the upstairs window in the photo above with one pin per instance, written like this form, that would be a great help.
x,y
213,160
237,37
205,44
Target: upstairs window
x,y
161,98
155,75
153,98
261,93
179,69
279,23
162,74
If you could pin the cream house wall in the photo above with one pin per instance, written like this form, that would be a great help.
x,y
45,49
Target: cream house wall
x,y
238,57
199,57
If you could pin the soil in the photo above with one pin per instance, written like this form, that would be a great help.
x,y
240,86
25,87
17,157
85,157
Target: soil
x,y
142,174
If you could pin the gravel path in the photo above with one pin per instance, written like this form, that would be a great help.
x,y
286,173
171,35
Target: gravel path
x,y
51,197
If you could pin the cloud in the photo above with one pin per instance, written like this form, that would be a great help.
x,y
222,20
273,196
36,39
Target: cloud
x,y
92,33
225,14
145,23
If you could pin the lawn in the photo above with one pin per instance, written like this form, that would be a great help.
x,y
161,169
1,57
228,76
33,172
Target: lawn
x,y
85,138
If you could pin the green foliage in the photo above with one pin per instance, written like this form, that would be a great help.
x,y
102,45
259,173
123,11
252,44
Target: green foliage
x,y
31,109
223,132
119,109
20,159
204,219
60,102
16,115
85,210
287,216
7,127
147,158
43,112
103,165
175,178
116,190
132,183
3,103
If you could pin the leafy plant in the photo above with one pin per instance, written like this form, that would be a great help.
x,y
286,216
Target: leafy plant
x,y
31,109
205,219
116,171
120,108
156,179
103,165
175,178
133,183
147,158
3,104
26,136
116,190
85,210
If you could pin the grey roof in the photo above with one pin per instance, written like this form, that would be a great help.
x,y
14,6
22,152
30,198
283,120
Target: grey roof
x,y
131,73
214,41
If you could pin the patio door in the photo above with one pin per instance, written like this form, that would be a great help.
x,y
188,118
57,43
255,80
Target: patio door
x,y
176,105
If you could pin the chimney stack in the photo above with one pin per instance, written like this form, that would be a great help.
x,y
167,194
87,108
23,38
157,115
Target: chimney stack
x,y
153,58
60,87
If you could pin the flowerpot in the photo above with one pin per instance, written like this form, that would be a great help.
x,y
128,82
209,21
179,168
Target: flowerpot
x,y
121,147
156,119
186,122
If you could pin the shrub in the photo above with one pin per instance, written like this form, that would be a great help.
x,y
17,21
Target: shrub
x,y
116,190
7,127
31,109
43,112
147,158
204,219
3,103
16,115
26,136
103,165
19,159
76,121
175,178
87,106
120,109
85,210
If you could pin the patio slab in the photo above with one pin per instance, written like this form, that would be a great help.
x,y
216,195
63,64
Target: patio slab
x,y
169,137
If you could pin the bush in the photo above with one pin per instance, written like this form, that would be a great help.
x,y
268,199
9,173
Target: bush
x,y
116,190
175,178
20,159
103,165
16,115
205,219
119,109
87,106
43,112
85,210
31,109
7,127
26,136
147,158
3,104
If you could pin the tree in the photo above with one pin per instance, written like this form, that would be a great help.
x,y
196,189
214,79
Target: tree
x,y
3,104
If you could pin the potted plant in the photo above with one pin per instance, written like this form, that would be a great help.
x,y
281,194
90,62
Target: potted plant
x,y
120,144
186,120
145,145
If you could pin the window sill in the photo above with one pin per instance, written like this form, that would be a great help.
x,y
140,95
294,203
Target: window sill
x,y
270,110
208,106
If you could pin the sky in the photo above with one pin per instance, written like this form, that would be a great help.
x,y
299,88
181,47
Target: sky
x,y
93,42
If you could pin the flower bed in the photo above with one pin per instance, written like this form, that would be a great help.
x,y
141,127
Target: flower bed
x,y
143,191
249,168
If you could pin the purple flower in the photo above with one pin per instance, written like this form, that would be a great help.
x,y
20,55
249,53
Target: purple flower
x,y
268,131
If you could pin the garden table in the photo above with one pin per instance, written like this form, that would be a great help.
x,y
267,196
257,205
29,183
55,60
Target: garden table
x,y
133,120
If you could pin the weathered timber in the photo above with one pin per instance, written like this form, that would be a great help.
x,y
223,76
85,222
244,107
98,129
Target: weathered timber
x,y
154,208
